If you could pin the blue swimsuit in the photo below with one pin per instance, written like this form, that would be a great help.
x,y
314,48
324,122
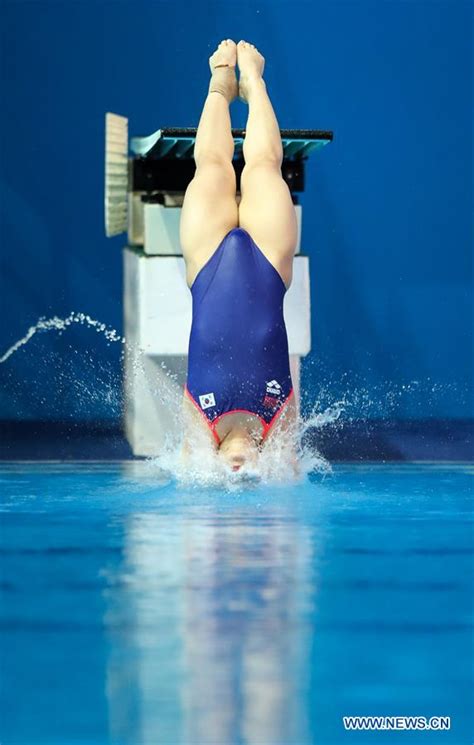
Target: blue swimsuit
x,y
238,348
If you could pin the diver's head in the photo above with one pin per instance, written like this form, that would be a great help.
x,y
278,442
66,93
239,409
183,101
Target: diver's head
x,y
239,449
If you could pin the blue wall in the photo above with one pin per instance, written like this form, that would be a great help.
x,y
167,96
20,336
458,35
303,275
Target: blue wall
x,y
387,210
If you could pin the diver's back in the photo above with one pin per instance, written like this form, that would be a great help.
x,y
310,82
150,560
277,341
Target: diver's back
x,y
238,340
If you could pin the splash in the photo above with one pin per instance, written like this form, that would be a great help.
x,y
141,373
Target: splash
x,y
93,382
61,324
204,467
101,386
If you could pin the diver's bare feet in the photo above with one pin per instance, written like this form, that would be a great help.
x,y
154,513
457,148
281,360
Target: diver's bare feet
x,y
222,64
251,64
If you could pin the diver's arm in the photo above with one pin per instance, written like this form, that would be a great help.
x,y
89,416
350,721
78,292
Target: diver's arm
x,y
285,431
185,451
196,434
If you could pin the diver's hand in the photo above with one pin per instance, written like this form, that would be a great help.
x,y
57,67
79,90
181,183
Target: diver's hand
x,y
185,452
295,464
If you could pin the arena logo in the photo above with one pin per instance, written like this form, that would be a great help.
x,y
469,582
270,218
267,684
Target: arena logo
x,y
274,388
273,393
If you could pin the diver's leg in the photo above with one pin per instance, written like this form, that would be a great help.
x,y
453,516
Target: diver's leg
x,y
266,208
210,208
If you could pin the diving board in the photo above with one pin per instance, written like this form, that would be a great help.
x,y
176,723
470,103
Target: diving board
x,y
178,143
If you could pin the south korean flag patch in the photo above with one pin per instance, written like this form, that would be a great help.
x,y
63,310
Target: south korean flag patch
x,y
207,400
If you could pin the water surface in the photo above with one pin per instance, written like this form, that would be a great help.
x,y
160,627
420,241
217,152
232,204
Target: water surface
x,y
138,611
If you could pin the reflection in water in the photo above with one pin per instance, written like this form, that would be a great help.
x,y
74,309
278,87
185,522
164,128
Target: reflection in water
x,y
205,628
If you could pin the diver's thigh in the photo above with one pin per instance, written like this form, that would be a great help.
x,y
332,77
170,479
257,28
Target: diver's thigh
x,y
267,212
209,212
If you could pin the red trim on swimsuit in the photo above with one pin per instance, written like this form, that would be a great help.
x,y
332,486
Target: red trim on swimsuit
x,y
266,425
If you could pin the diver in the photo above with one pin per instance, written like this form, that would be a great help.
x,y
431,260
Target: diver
x,y
239,258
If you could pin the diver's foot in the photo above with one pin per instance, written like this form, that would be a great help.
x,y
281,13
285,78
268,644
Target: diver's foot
x,y
251,64
222,64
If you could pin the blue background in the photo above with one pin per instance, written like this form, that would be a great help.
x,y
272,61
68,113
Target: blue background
x,y
387,213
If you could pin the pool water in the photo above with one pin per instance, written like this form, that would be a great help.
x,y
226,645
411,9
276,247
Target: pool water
x,y
136,610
